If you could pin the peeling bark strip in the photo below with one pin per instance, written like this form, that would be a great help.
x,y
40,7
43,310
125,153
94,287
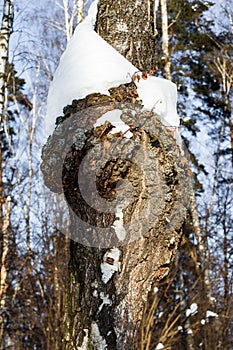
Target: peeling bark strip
x,y
108,287
128,25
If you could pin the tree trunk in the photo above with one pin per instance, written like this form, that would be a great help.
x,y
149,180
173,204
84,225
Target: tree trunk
x,y
110,275
127,196
165,43
6,28
129,27
3,271
80,11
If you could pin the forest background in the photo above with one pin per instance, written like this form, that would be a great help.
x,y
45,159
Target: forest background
x,y
34,251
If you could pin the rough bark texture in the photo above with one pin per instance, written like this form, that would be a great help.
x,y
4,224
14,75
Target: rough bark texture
x,y
114,308
128,26
104,312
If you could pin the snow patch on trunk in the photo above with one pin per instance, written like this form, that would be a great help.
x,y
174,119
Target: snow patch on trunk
x,y
84,345
114,117
110,264
160,96
105,299
90,65
118,224
98,340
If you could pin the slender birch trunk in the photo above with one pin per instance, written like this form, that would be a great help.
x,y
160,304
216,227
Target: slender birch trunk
x,y
183,305
165,42
80,10
202,247
3,274
72,15
6,29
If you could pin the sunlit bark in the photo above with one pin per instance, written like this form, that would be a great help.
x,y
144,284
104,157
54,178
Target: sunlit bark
x,y
108,313
3,273
165,42
6,29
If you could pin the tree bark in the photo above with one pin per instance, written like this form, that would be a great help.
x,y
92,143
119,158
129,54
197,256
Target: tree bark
x,y
128,26
165,43
3,271
107,312
6,29
116,255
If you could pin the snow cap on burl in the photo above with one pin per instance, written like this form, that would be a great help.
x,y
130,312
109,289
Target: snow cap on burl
x,y
90,65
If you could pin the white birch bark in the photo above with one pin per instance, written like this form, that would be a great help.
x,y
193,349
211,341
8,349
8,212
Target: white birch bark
x,y
165,42
156,6
80,10
6,29
73,15
3,273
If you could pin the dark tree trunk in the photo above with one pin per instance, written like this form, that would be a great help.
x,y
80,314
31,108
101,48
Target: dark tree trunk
x,y
108,311
117,255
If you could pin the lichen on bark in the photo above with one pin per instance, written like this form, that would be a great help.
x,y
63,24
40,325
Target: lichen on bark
x,y
128,26
109,310
148,248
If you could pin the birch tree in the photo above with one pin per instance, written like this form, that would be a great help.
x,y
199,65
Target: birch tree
x,y
108,283
73,14
165,41
6,30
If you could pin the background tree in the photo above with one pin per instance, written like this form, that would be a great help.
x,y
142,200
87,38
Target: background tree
x,y
6,28
32,267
